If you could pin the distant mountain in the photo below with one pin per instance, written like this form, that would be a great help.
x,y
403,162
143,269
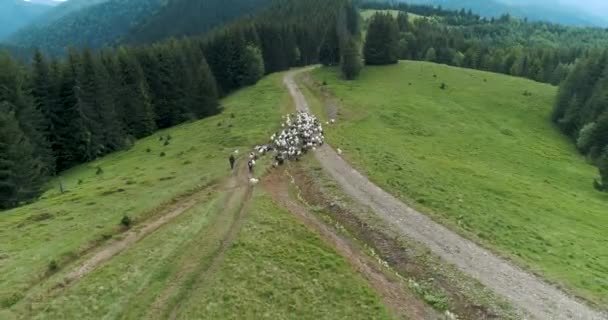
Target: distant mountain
x,y
191,17
537,10
45,2
79,23
15,14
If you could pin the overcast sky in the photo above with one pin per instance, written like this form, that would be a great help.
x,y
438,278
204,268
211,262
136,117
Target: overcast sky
x,y
594,7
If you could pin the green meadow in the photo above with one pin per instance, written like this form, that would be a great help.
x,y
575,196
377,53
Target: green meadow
x,y
481,156
275,267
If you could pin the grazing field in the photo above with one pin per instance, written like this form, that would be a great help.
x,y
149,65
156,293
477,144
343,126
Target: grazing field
x,y
134,182
278,269
231,255
481,156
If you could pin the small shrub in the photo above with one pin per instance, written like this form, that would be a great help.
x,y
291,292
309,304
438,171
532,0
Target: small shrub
x,y
130,182
485,80
162,154
434,76
324,82
187,162
80,181
230,125
166,143
53,266
219,124
169,137
99,171
126,221
148,150
443,86
232,116
161,138
409,84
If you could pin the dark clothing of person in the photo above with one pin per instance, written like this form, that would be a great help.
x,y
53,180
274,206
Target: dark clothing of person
x,y
232,160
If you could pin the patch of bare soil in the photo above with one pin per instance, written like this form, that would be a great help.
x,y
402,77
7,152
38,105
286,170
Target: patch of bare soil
x,y
399,300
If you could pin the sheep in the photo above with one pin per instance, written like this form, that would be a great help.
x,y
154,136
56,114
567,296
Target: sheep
x,y
339,151
254,181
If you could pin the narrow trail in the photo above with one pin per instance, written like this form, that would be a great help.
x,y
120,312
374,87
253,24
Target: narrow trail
x,y
400,301
107,252
525,291
233,202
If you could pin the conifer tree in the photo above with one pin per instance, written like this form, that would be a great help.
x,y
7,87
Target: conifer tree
x,y
21,177
133,98
382,41
351,63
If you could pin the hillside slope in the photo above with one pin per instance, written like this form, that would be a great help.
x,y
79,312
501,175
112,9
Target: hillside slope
x,y
16,14
187,17
80,24
223,251
482,157
533,10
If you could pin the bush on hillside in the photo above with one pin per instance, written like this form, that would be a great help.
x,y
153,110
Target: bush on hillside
x,y
53,266
126,221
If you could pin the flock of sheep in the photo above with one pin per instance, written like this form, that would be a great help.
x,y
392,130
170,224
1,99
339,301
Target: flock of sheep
x,y
301,132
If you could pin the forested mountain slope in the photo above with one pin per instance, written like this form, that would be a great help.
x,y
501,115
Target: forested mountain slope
x,y
536,10
15,14
191,17
92,25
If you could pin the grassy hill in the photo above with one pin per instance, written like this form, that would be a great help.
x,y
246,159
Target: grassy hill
x,y
275,264
482,156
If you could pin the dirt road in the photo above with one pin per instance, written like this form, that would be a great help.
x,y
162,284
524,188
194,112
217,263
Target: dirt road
x,y
400,301
530,294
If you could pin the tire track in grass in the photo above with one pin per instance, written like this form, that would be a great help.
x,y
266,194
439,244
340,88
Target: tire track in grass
x,y
233,201
527,292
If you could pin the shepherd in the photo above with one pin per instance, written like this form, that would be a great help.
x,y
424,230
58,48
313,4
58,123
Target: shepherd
x,y
231,159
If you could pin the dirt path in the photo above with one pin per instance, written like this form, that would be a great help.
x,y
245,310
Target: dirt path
x,y
525,291
132,236
399,300
234,202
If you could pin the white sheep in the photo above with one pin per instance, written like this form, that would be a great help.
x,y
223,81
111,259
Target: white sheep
x,y
339,151
254,181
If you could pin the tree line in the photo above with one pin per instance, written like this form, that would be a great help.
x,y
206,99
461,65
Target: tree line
x,y
581,110
58,113
460,38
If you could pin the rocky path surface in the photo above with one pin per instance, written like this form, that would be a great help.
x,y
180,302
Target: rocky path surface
x,y
527,292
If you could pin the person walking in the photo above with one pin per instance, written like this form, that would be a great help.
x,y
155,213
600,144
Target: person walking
x,y
232,161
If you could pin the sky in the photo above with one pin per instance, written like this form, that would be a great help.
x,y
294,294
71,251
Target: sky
x,y
593,7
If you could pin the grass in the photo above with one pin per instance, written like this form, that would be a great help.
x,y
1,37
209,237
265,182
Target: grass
x,y
481,157
277,269
134,182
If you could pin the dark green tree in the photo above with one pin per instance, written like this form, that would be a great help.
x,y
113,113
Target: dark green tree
x,y
351,63
382,41
21,177
133,98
